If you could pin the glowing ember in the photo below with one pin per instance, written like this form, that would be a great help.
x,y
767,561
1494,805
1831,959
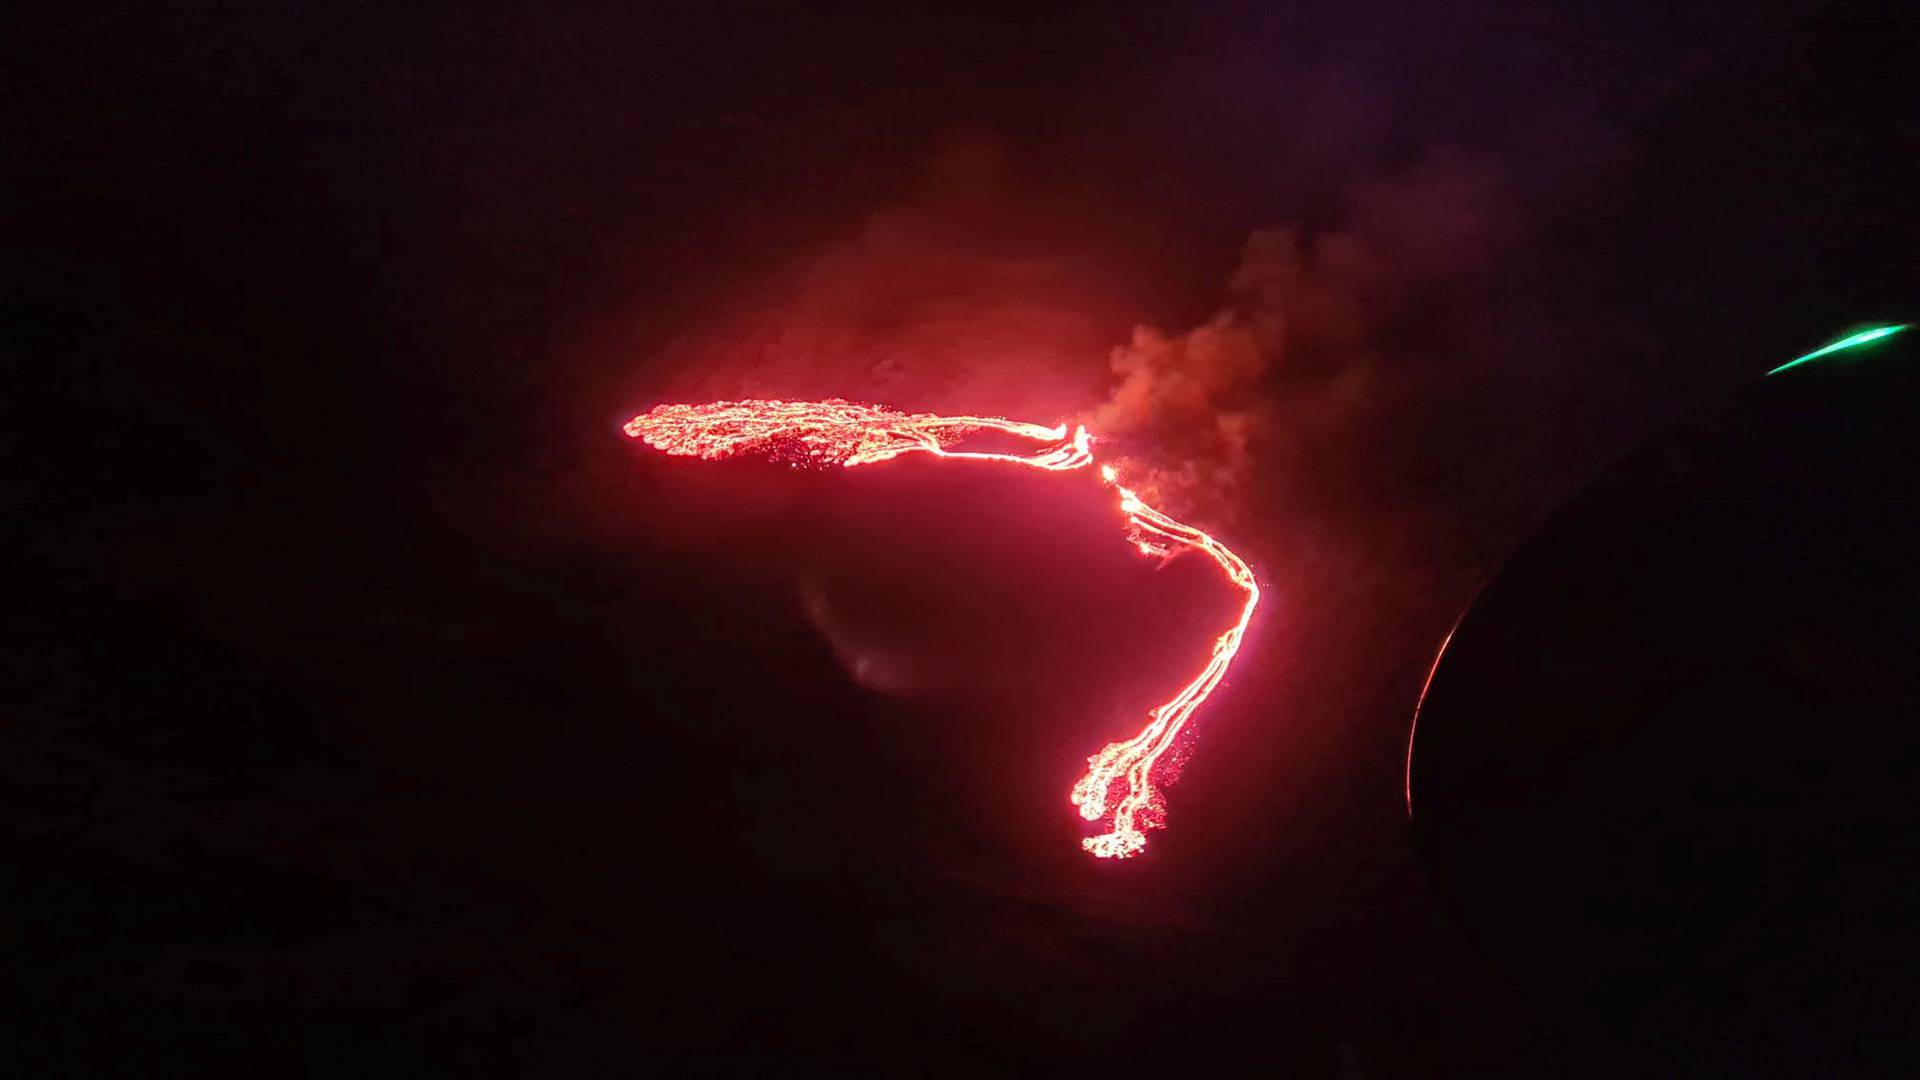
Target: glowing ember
x,y
844,433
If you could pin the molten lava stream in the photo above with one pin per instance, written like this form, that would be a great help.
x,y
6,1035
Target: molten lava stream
x,y
842,433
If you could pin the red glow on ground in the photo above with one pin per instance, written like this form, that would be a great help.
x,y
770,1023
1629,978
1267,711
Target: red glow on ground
x,y
843,433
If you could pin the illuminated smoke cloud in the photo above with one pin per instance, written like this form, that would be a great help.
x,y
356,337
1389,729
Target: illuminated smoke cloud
x,y
961,300
971,296
1297,339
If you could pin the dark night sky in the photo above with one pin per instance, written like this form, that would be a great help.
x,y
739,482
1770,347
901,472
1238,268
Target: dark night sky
x,y
371,701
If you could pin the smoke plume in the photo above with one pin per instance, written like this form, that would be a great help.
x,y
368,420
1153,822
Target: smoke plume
x,y
970,297
1300,333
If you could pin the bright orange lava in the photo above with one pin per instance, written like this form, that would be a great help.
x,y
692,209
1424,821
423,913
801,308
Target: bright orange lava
x,y
844,433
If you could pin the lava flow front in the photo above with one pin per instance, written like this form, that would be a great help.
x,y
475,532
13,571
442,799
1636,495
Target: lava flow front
x,y
843,433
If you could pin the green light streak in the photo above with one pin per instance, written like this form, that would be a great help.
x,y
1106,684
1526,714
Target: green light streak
x,y
1851,341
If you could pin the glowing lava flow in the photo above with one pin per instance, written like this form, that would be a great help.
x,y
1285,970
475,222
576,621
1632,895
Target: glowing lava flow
x,y
844,433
